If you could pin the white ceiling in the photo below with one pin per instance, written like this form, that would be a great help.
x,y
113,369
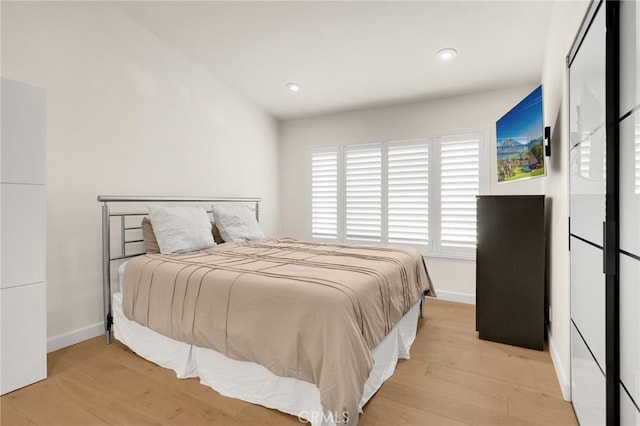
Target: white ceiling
x,y
348,55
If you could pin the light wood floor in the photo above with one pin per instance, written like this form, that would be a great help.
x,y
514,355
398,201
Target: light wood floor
x,y
453,378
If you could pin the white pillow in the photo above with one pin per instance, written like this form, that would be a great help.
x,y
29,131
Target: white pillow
x,y
181,229
237,223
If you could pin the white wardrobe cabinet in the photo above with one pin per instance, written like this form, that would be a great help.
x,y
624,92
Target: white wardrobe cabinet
x,y
23,296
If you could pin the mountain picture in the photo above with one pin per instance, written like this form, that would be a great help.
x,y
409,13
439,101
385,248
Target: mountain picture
x,y
519,146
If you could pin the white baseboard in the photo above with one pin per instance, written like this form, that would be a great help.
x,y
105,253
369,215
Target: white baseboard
x,y
454,296
563,379
75,336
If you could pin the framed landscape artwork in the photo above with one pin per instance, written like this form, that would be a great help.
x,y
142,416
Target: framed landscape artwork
x,y
520,141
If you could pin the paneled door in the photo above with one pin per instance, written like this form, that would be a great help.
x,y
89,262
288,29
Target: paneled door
x,y
629,250
604,81
587,193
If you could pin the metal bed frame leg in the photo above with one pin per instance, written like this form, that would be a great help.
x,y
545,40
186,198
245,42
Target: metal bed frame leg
x,y
106,272
422,307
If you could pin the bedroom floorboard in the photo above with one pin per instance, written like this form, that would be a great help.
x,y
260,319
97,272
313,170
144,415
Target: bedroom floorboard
x,y
453,378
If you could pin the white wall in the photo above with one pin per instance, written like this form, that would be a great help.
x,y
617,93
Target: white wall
x,y
566,18
127,114
452,279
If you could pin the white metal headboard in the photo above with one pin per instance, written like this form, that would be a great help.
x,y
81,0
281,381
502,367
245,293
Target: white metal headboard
x,y
107,215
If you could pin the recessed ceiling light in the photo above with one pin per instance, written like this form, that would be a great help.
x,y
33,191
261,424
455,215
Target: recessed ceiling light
x,y
293,87
446,55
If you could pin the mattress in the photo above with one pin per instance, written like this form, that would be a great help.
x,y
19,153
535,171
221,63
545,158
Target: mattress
x,y
252,382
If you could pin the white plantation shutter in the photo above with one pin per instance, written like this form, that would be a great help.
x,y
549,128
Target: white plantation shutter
x,y
420,192
324,193
363,193
408,193
459,186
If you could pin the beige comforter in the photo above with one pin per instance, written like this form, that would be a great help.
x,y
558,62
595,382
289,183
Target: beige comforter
x,y
304,310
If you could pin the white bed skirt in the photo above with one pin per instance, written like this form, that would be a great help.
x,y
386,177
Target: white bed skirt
x,y
252,382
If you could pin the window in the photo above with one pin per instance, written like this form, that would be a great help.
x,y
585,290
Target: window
x,y
420,192
408,193
363,193
459,186
324,194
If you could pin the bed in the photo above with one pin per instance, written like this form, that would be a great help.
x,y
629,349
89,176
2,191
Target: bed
x,y
310,329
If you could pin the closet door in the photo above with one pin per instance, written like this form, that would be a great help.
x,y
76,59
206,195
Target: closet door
x,y
587,102
629,252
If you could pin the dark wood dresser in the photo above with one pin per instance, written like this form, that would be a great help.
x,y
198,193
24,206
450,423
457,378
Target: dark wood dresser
x,y
510,270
